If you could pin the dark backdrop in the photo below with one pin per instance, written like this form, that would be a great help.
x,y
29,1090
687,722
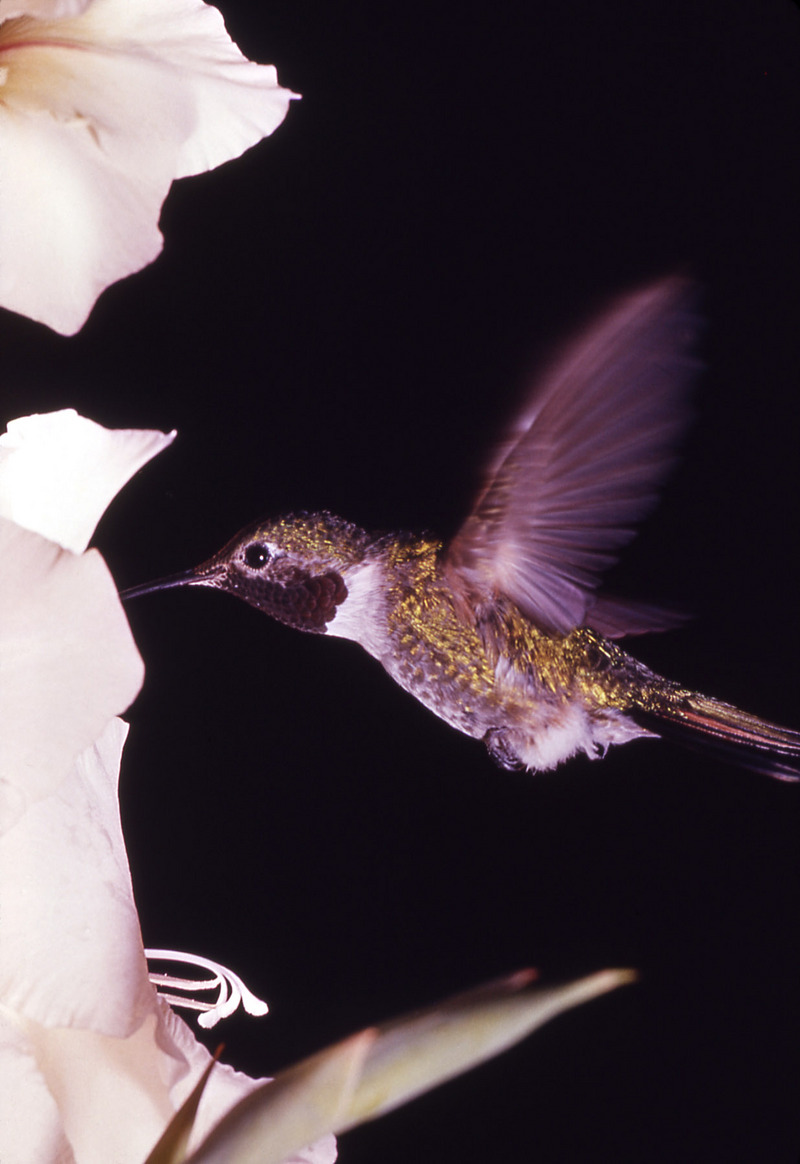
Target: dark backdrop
x,y
343,319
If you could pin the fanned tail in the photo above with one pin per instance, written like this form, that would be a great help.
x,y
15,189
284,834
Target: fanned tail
x,y
708,725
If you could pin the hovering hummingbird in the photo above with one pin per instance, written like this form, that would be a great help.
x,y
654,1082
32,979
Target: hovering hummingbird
x,y
501,632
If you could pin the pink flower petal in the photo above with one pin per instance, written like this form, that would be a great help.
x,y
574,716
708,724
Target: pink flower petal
x,y
226,102
71,952
42,9
112,1094
30,1122
59,472
100,113
68,663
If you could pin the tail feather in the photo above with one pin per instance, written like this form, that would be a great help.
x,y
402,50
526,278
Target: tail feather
x,y
707,724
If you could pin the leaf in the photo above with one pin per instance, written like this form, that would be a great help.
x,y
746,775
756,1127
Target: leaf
x,y
381,1068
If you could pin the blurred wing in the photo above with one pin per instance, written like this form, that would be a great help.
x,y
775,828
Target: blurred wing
x,y
584,459
617,617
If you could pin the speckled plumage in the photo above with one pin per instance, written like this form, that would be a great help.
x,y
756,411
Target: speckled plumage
x,y
501,632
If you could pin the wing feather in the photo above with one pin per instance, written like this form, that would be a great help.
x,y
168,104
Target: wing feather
x,y
584,459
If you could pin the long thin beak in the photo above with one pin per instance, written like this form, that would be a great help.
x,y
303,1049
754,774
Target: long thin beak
x,y
196,577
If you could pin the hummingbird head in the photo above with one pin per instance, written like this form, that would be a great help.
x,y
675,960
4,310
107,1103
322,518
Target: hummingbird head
x,y
293,568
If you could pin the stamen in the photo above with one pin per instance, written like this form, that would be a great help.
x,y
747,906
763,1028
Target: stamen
x,y
232,990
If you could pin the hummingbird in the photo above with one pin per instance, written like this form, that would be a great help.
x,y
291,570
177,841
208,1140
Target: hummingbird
x,y
502,632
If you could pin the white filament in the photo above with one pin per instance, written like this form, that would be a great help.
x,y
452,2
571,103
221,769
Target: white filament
x,y
231,989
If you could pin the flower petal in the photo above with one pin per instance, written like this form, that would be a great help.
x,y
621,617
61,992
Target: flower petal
x,y
101,113
71,223
89,1044
76,1095
171,1147
68,663
116,1096
112,1094
42,9
59,472
30,1123
225,1087
229,102
71,951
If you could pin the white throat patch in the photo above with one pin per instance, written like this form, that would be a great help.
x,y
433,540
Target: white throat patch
x,y
359,617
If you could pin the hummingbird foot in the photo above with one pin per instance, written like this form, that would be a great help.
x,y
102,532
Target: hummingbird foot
x,y
501,750
231,991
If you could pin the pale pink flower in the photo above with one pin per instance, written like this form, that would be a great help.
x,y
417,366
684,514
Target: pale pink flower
x,y
93,1063
103,103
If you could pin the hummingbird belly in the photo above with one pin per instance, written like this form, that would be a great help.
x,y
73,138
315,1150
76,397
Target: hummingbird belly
x,y
522,723
534,698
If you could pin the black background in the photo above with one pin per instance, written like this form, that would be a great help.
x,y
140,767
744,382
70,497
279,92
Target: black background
x,y
343,319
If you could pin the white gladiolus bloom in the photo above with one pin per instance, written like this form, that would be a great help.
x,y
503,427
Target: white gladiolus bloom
x,y
68,663
103,103
93,1063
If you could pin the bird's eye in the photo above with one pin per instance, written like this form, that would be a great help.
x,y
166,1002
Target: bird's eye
x,y
256,556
